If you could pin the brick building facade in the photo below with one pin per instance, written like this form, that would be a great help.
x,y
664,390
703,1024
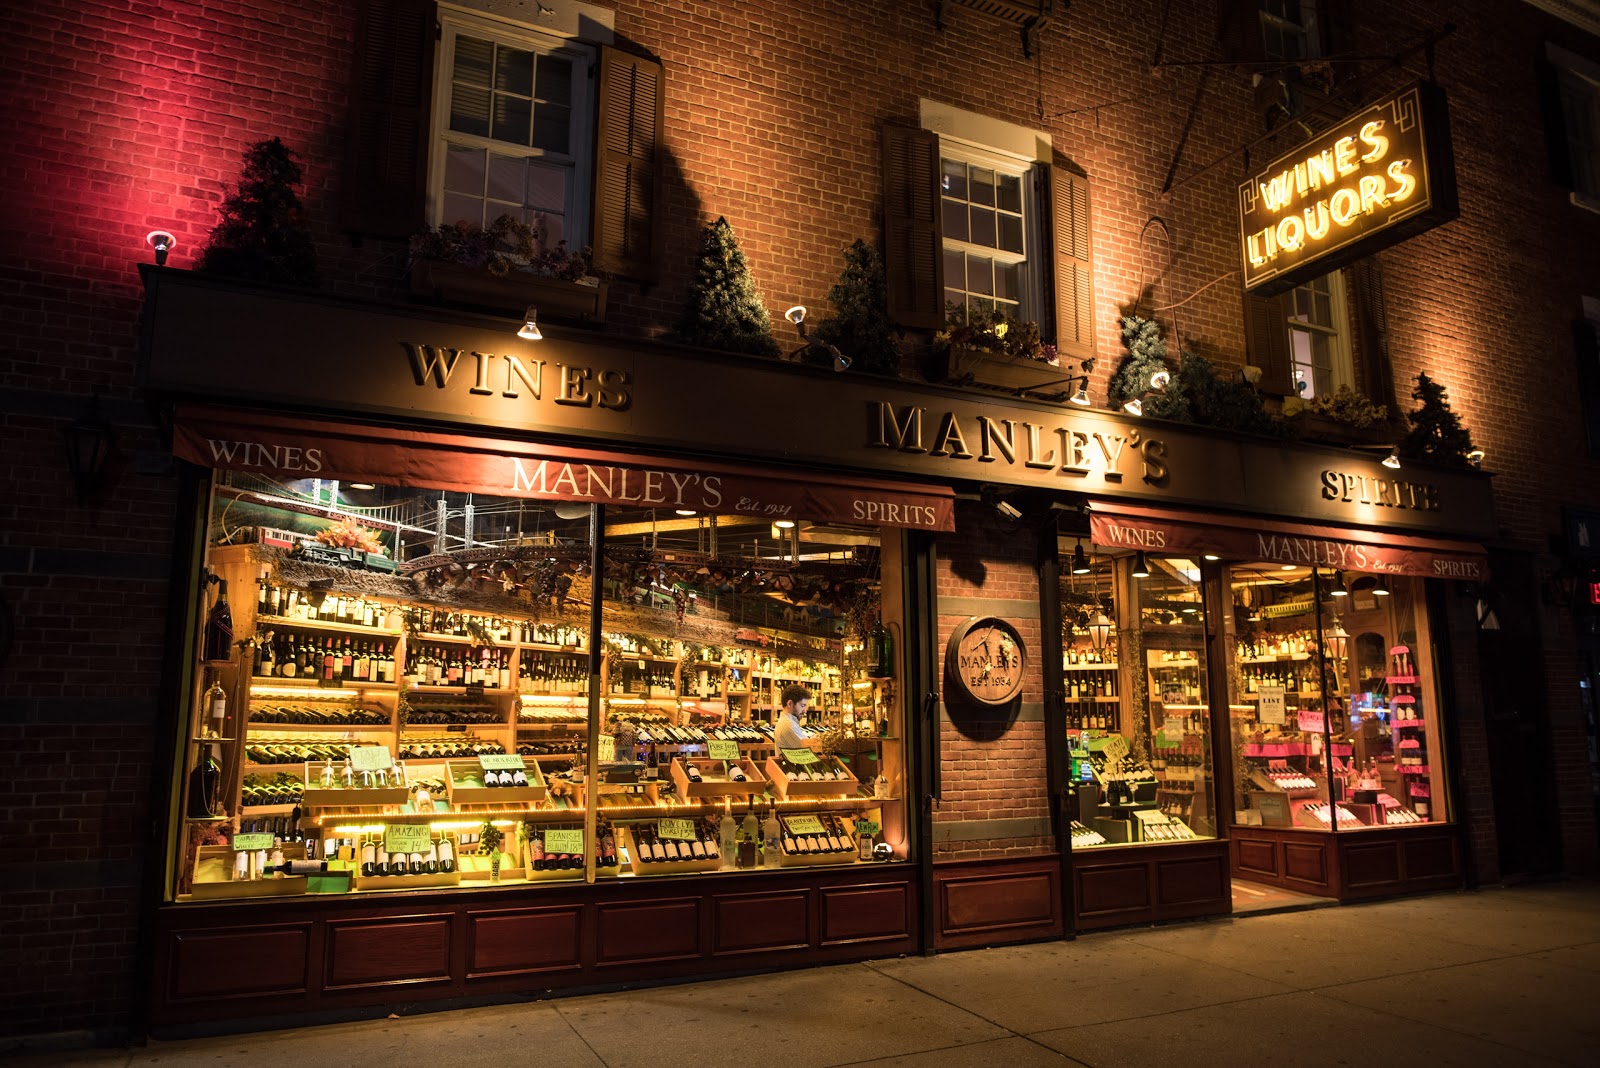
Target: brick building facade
x,y
132,118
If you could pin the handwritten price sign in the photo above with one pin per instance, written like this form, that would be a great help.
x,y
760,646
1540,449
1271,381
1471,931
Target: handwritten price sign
x,y
608,747
804,824
244,843
723,749
868,827
501,761
370,758
799,756
563,840
680,830
407,838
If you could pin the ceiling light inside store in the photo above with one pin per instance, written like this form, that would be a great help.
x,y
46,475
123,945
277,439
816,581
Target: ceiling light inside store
x,y
1212,556
783,524
1380,588
684,511
1080,561
1141,566
362,486
1286,567
1339,589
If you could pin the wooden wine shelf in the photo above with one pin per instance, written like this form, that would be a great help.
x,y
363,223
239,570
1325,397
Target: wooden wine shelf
x,y
268,622
313,686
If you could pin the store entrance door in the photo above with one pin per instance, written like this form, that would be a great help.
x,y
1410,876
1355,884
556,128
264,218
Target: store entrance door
x,y
1518,727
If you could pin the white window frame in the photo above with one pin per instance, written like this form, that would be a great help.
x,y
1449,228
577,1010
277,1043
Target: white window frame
x,y
579,162
1341,371
1031,277
1579,79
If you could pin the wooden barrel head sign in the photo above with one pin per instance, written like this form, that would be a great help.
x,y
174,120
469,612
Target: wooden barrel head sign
x,y
984,662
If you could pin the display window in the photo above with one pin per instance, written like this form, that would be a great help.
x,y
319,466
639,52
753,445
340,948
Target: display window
x,y
1333,699
404,688
1136,699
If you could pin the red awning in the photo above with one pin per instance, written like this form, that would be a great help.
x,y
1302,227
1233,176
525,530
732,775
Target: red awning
x,y
1161,531
289,447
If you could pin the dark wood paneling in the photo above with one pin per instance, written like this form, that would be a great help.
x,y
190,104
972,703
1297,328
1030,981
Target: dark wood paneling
x,y
1432,857
1372,864
524,940
646,932
1109,888
206,965
744,923
383,952
1256,856
1306,862
865,913
1192,881
985,903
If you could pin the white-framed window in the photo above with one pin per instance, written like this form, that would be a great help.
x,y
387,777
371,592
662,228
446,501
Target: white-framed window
x,y
1319,336
513,113
990,223
1289,30
1579,81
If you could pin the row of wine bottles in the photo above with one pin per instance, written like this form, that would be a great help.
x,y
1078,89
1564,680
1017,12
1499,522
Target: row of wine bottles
x,y
459,665
825,770
447,748
291,603
554,674
833,838
652,848
731,772
283,654
318,715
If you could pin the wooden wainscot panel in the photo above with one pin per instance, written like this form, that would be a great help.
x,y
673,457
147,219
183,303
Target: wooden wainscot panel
x,y
513,941
873,913
1306,862
987,906
1431,856
645,932
239,962
389,951
1107,889
1258,856
748,923
1371,865
1193,881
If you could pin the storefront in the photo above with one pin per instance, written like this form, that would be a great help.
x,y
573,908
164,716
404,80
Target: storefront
x,y
577,569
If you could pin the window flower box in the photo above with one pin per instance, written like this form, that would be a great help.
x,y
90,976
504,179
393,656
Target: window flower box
x,y
964,365
583,300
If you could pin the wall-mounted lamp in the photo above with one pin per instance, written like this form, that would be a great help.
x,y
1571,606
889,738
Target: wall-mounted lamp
x,y
90,442
163,243
530,326
797,316
1392,461
1161,379
1134,406
1007,509
1475,457
1080,397
1141,566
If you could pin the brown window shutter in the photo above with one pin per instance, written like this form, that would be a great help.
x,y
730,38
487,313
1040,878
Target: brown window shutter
x,y
1267,340
1239,31
913,246
391,98
1071,265
1588,348
1369,348
627,171
1558,145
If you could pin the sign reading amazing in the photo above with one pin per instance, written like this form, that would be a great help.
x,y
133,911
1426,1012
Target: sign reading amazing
x,y
1371,181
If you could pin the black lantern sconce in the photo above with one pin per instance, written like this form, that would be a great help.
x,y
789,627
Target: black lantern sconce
x,y
90,441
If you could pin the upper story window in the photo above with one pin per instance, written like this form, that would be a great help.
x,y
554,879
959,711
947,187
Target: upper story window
x,y
1319,342
511,124
986,213
1572,94
1289,30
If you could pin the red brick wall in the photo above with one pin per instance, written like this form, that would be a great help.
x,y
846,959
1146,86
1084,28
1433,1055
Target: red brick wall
x,y
130,117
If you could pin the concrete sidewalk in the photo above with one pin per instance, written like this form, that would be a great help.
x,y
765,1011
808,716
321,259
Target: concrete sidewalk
x,y
1507,976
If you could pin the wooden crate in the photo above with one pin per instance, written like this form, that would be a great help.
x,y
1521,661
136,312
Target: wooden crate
x,y
649,868
755,782
405,882
805,860
786,787
494,795
318,796
287,886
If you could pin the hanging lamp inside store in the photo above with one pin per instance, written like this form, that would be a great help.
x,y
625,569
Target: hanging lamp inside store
x,y
1141,566
1080,560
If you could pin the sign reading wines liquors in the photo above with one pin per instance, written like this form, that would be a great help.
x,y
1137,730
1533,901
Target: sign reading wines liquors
x,y
1378,177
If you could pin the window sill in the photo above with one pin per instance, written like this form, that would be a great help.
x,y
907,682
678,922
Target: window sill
x,y
511,294
1585,201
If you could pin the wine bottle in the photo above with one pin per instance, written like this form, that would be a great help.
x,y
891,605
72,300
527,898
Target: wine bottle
x,y
430,863
536,851
369,860
296,867
216,646
736,773
447,855
692,772
217,704
205,785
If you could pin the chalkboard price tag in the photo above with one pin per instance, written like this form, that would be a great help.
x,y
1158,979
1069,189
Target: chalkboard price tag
x,y
804,824
723,749
371,758
680,830
563,840
500,761
799,756
244,843
407,838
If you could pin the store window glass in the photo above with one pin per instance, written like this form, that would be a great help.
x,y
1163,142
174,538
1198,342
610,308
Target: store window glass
x,y
1335,722
395,695
1135,693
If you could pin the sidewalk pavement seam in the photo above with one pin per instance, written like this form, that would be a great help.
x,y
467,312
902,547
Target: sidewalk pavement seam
x,y
1451,1030
556,1004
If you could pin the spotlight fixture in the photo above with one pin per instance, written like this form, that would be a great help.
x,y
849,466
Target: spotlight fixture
x,y
530,325
684,511
163,243
1135,406
1081,398
1339,589
1475,457
797,316
1141,566
841,362
783,524
1161,379
1080,561
1285,567
1380,588
1392,461
1007,509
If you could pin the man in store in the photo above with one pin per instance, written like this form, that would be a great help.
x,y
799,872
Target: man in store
x,y
791,732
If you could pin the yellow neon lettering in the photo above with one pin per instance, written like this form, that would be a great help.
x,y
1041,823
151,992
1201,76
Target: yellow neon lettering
x,y
1344,205
1372,188
1371,136
1320,169
1291,232
1317,221
1344,155
1397,172
1275,191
